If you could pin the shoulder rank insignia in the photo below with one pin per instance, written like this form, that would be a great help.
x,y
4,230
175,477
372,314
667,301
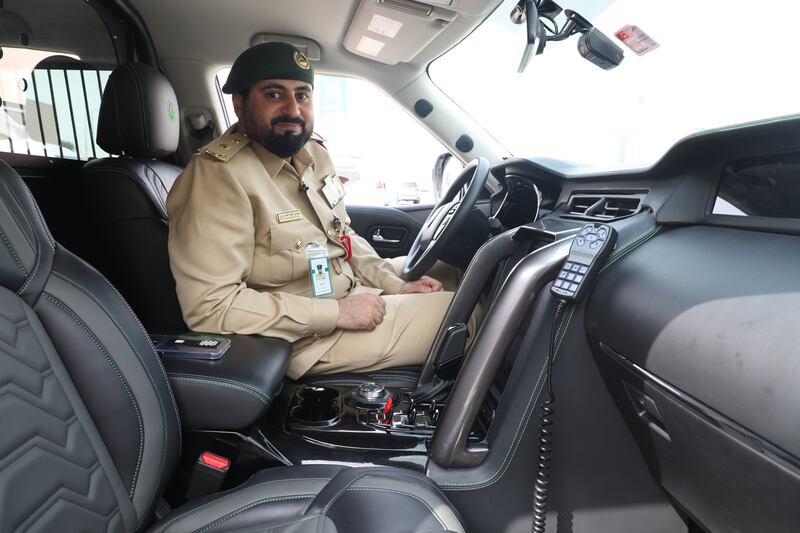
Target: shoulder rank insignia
x,y
317,138
225,147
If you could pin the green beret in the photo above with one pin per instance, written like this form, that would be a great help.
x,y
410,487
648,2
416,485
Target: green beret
x,y
268,61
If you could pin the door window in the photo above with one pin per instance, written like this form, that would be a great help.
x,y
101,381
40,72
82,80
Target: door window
x,y
383,155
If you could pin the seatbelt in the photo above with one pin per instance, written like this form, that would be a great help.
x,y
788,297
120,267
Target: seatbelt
x,y
201,127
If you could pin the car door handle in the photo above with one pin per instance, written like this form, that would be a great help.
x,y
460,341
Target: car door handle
x,y
377,237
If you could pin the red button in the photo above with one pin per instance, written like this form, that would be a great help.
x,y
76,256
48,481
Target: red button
x,y
214,461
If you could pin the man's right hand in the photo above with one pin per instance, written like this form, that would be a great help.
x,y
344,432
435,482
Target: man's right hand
x,y
361,312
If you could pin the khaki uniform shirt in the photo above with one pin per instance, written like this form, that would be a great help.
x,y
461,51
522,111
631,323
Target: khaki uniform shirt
x,y
239,269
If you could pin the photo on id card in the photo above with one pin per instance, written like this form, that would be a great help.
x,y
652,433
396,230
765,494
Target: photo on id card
x,y
320,276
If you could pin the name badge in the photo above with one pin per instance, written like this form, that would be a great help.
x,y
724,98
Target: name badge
x,y
288,216
319,270
333,190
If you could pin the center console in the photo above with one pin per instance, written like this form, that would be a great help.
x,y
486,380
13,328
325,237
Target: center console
x,y
366,423
347,416
223,383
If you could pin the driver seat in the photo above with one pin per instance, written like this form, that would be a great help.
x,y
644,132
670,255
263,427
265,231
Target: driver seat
x,y
91,431
128,196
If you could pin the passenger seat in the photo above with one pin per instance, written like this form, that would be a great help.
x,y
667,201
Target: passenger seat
x,y
91,432
127,194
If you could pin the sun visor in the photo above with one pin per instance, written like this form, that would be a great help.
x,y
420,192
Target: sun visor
x,y
309,47
395,31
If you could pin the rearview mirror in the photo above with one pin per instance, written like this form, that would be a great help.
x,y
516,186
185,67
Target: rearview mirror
x,y
593,45
535,32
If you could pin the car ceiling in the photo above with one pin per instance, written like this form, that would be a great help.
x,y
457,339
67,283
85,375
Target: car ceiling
x,y
215,32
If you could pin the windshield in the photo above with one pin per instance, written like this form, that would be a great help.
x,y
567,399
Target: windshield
x,y
718,63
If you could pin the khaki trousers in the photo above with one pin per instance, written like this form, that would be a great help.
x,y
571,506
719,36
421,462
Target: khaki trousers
x,y
403,338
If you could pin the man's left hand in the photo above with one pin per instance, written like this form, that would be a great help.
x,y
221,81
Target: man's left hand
x,y
423,284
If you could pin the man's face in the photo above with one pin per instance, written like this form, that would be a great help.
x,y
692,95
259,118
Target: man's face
x,y
278,114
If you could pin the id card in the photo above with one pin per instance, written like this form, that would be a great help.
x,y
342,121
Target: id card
x,y
319,270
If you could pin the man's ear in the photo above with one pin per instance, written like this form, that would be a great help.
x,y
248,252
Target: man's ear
x,y
238,105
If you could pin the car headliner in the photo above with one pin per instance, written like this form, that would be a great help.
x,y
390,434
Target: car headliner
x,y
215,32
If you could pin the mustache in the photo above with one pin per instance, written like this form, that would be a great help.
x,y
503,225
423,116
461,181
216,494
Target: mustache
x,y
287,118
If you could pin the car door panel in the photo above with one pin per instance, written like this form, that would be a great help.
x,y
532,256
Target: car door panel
x,y
389,230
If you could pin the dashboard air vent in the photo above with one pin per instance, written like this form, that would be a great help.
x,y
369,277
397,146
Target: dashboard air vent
x,y
605,207
579,204
618,207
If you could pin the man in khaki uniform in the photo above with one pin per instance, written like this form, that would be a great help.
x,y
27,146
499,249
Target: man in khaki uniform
x,y
260,241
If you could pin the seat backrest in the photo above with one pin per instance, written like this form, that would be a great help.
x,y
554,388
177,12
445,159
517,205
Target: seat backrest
x,y
90,429
138,123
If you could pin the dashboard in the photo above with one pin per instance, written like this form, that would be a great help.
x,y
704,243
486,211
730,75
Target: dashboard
x,y
686,327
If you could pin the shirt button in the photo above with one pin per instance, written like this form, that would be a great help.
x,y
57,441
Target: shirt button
x,y
315,335
298,244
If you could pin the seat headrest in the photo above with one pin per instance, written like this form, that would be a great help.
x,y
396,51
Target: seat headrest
x,y
138,113
27,250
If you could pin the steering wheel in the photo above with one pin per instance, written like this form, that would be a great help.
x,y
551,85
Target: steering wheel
x,y
446,219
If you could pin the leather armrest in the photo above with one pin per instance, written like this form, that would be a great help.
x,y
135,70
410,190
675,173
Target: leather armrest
x,y
232,392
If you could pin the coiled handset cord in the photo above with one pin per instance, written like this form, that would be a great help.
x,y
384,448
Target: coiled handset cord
x,y
542,486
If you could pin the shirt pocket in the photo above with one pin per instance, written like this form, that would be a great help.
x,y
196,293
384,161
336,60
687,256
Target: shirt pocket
x,y
287,250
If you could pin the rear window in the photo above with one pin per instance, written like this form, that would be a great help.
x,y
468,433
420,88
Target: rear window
x,y
56,59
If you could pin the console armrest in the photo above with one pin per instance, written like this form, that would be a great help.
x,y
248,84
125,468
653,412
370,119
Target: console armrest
x,y
232,392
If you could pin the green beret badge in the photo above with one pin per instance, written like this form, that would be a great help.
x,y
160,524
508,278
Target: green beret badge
x,y
301,60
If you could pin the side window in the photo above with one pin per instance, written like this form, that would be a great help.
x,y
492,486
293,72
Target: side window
x,y
383,155
386,156
50,104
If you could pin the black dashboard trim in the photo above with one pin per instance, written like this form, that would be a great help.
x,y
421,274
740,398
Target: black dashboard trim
x,y
698,408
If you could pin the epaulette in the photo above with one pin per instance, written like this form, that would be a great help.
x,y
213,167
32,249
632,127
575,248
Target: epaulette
x,y
317,138
225,147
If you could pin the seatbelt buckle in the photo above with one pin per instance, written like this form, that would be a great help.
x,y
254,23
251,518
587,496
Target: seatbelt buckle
x,y
207,476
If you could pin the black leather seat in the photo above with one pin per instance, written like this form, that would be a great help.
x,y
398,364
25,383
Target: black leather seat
x,y
91,432
138,122
403,377
128,197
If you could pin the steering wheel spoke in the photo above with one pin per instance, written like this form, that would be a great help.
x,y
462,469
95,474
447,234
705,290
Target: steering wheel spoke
x,y
446,219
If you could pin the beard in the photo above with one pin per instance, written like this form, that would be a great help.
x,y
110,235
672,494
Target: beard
x,y
281,144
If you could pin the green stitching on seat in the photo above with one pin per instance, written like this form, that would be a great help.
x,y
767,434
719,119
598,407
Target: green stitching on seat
x,y
13,253
142,328
250,506
114,367
132,345
237,491
264,398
